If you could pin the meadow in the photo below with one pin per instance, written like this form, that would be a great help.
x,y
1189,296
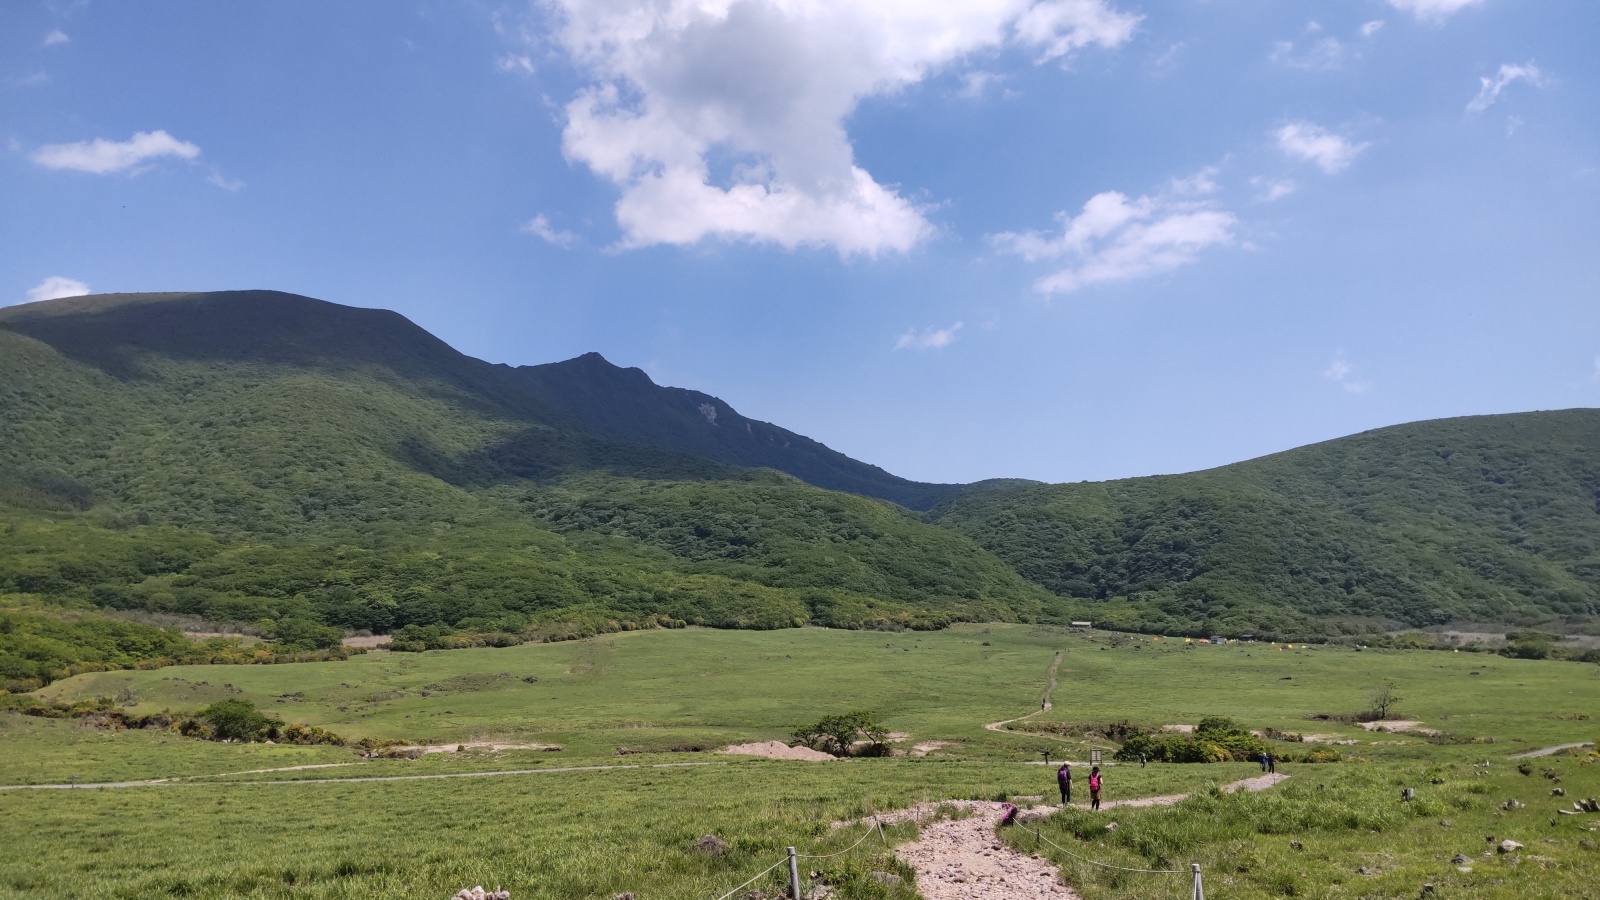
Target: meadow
x,y
556,824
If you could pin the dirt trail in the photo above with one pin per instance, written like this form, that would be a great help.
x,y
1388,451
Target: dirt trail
x,y
1550,751
175,782
961,859
1044,702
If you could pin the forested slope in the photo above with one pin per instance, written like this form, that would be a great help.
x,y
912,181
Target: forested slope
x,y
263,457
1480,519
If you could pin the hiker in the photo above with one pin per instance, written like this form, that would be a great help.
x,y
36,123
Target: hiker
x,y
1141,760
1263,761
1008,814
1094,788
1064,782
1272,764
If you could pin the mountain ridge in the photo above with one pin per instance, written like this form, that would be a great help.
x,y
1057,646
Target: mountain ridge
x,y
192,442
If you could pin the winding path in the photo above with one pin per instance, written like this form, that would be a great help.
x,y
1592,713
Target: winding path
x,y
1044,702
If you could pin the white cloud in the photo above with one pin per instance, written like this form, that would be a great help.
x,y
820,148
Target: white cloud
x,y
101,156
222,181
1117,239
519,63
1272,189
1490,88
725,119
1323,54
1435,11
976,83
56,37
32,79
539,226
55,287
1330,152
929,338
1371,28
1343,374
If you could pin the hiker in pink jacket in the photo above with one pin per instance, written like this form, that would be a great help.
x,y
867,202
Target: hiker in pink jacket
x,y
1094,788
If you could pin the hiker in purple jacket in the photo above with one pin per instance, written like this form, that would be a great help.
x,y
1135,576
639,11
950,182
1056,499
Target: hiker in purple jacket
x,y
1064,782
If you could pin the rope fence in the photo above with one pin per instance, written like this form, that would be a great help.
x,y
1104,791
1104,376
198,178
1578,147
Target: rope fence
x,y
792,858
794,872
1194,868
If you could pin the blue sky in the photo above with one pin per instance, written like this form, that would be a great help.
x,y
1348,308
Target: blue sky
x,y
1055,239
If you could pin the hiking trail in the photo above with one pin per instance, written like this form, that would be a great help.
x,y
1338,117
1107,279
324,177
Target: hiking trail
x,y
1044,702
963,859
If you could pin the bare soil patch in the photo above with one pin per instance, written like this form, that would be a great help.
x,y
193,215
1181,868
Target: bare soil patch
x,y
778,750
1181,729
369,641
424,749
1397,726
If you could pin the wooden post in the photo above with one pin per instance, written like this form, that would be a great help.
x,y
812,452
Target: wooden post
x,y
1199,888
794,876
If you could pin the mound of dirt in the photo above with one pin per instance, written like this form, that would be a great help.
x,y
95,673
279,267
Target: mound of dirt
x,y
778,750
926,747
1397,726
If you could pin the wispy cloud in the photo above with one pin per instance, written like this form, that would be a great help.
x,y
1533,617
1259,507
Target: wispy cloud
x,y
1342,373
222,181
1314,144
32,79
55,287
101,156
1273,189
519,63
1371,28
929,338
1490,88
56,37
1433,11
1317,52
1118,239
539,226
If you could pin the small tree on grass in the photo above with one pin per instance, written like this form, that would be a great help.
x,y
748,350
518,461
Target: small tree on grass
x,y
1384,699
237,719
838,734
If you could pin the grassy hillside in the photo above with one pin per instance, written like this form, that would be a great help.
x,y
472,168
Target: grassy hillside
x,y
586,822
1483,519
255,458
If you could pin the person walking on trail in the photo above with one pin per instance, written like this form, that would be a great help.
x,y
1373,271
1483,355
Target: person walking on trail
x,y
1094,788
1064,782
1264,760
1272,764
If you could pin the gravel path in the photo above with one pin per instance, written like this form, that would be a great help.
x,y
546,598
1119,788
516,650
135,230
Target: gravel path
x,y
961,859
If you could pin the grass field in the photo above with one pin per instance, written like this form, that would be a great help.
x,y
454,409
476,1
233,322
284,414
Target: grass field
x,y
599,832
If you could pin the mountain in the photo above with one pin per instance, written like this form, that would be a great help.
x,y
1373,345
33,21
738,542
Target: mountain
x,y
254,455
1492,519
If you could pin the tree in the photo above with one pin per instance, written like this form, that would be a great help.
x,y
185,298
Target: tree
x,y
237,719
838,734
1384,700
